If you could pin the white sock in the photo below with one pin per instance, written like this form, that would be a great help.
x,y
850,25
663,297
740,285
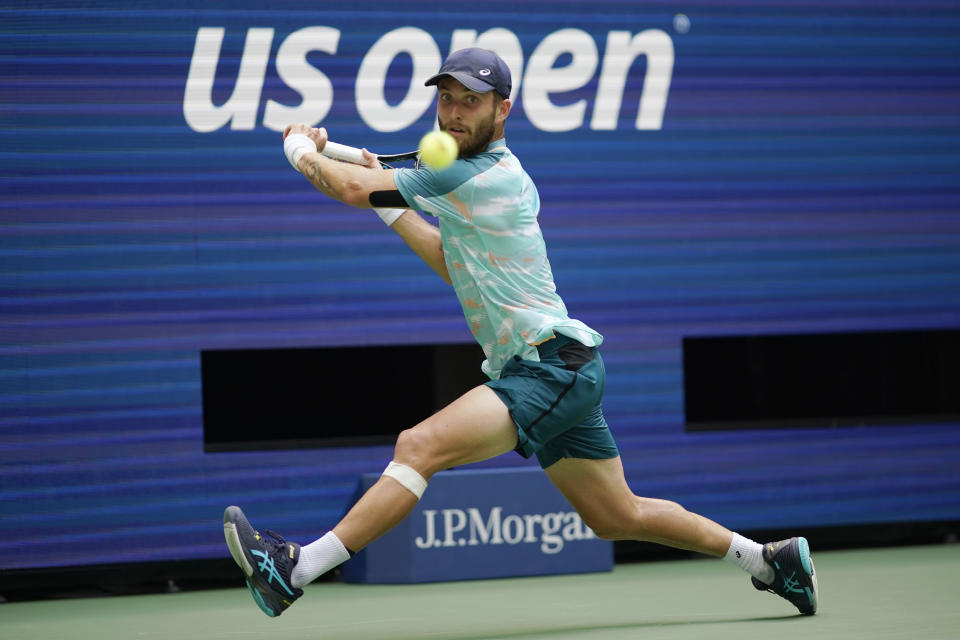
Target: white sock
x,y
317,558
748,555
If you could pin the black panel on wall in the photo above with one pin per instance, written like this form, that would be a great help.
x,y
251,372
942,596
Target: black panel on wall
x,y
821,379
325,397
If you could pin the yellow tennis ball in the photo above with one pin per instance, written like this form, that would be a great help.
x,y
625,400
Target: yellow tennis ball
x,y
438,149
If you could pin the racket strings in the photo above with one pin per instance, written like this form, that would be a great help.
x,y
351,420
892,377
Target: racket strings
x,y
385,165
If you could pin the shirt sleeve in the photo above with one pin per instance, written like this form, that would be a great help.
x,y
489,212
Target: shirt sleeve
x,y
413,182
425,189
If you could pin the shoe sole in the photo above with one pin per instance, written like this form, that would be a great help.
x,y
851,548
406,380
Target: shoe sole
x,y
816,589
233,543
807,563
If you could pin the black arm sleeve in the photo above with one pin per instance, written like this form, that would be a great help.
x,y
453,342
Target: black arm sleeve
x,y
388,199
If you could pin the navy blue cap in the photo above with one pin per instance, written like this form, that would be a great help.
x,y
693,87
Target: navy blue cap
x,y
479,70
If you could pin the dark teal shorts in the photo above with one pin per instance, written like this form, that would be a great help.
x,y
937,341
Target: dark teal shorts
x,y
555,403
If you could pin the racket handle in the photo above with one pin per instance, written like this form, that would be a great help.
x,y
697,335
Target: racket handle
x,y
343,152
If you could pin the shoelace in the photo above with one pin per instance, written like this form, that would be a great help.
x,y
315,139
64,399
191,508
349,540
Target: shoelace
x,y
278,542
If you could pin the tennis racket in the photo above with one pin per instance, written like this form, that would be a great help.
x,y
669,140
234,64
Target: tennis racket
x,y
353,155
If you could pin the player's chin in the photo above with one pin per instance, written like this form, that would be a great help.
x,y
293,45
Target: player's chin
x,y
467,144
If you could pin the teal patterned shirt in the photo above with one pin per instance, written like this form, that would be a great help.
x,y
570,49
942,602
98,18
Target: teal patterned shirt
x,y
487,208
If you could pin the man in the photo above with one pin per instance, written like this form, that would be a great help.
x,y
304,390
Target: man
x,y
546,374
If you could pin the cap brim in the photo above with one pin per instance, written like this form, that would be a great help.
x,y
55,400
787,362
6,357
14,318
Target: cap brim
x,y
463,78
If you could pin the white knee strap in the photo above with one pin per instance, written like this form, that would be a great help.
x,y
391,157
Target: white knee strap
x,y
408,477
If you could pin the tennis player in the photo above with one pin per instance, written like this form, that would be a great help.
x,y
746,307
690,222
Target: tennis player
x,y
546,374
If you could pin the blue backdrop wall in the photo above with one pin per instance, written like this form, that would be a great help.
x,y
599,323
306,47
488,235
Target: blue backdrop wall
x,y
744,167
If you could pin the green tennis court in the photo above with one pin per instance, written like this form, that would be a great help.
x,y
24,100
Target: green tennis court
x,y
907,592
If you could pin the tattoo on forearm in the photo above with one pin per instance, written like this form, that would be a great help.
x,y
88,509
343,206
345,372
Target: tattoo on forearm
x,y
320,182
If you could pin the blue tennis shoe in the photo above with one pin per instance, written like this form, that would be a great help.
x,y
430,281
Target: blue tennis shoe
x,y
794,575
266,561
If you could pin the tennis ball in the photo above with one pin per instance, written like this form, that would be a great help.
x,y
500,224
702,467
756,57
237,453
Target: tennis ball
x,y
438,149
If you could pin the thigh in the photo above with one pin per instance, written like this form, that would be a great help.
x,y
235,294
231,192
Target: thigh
x,y
474,427
597,489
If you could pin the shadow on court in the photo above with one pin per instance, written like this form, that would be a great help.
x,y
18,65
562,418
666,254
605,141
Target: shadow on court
x,y
624,630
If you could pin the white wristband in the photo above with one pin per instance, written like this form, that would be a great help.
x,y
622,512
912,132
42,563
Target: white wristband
x,y
297,144
389,216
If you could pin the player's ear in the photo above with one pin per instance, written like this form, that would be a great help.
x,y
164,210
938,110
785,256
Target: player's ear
x,y
503,109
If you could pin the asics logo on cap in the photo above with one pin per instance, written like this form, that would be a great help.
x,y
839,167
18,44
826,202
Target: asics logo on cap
x,y
479,70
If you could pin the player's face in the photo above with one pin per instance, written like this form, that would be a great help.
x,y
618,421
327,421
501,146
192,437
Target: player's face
x,y
473,119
